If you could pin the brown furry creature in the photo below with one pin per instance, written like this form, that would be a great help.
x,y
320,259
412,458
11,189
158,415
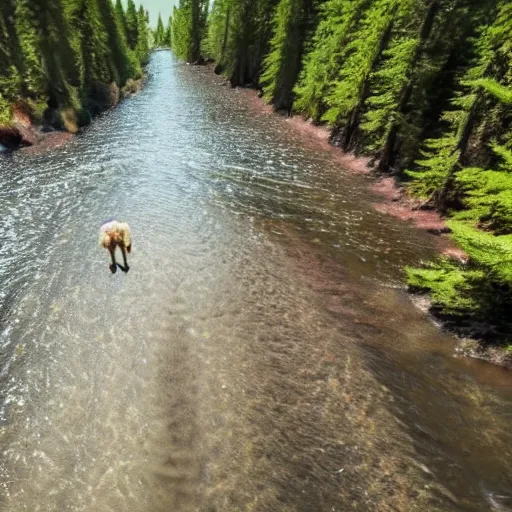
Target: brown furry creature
x,y
116,234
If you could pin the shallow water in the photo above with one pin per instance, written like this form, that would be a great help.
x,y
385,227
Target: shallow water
x,y
261,354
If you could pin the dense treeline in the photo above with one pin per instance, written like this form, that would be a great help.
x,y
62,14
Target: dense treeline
x,y
163,35
422,86
188,24
62,61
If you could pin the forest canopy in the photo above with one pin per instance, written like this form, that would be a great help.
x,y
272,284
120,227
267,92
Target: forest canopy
x,y
62,61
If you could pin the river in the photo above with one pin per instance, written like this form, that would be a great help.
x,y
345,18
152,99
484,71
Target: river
x,y
260,355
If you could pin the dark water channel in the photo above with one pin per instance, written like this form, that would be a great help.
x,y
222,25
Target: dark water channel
x,y
260,355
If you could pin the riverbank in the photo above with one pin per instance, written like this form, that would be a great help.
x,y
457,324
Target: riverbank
x,y
391,198
56,127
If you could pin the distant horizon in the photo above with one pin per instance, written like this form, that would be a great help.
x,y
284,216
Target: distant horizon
x,y
155,7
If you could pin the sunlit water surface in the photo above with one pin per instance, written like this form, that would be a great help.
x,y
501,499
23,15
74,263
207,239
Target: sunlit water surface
x,y
260,355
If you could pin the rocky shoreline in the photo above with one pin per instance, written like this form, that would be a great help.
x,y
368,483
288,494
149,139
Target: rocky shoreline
x,y
57,127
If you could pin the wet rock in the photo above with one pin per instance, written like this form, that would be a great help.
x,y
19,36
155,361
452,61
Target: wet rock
x,y
114,94
131,87
20,132
10,137
101,97
439,230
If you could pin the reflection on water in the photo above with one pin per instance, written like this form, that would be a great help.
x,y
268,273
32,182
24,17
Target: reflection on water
x,y
261,354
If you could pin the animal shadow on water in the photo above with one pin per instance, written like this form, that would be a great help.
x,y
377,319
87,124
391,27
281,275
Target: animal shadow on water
x,y
113,268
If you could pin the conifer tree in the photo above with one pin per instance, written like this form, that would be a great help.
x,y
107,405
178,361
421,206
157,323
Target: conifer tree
x,y
93,45
338,19
121,17
168,33
132,25
122,63
391,84
218,32
188,27
350,88
443,156
51,64
142,48
160,32
479,129
10,61
282,64
181,31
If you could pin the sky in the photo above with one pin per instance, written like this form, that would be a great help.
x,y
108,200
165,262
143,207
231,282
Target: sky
x,y
154,7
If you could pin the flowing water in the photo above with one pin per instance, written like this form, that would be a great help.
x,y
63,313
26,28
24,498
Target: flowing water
x,y
260,355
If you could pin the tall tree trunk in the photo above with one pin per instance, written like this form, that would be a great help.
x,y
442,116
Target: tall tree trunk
x,y
195,49
225,39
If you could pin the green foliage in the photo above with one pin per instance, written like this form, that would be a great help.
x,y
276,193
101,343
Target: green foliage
x,y
168,33
238,36
5,111
361,55
439,156
58,57
122,62
488,195
464,134
449,284
388,82
181,32
160,33
121,18
94,44
338,19
218,30
282,64
132,25
143,42
494,88
481,288
188,28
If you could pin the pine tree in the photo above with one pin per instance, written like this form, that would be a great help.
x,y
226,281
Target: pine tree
x,y
282,65
122,64
93,45
59,57
180,31
443,156
132,25
218,32
348,92
160,32
391,84
168,33
338,19
195,31
10,61
121,17
142,49
482,225
188,28
50,62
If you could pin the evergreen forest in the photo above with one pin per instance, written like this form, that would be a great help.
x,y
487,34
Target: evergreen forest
x,y
63,61
423,87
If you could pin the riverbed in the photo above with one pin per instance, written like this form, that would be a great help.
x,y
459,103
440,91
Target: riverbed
x,y
261,354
